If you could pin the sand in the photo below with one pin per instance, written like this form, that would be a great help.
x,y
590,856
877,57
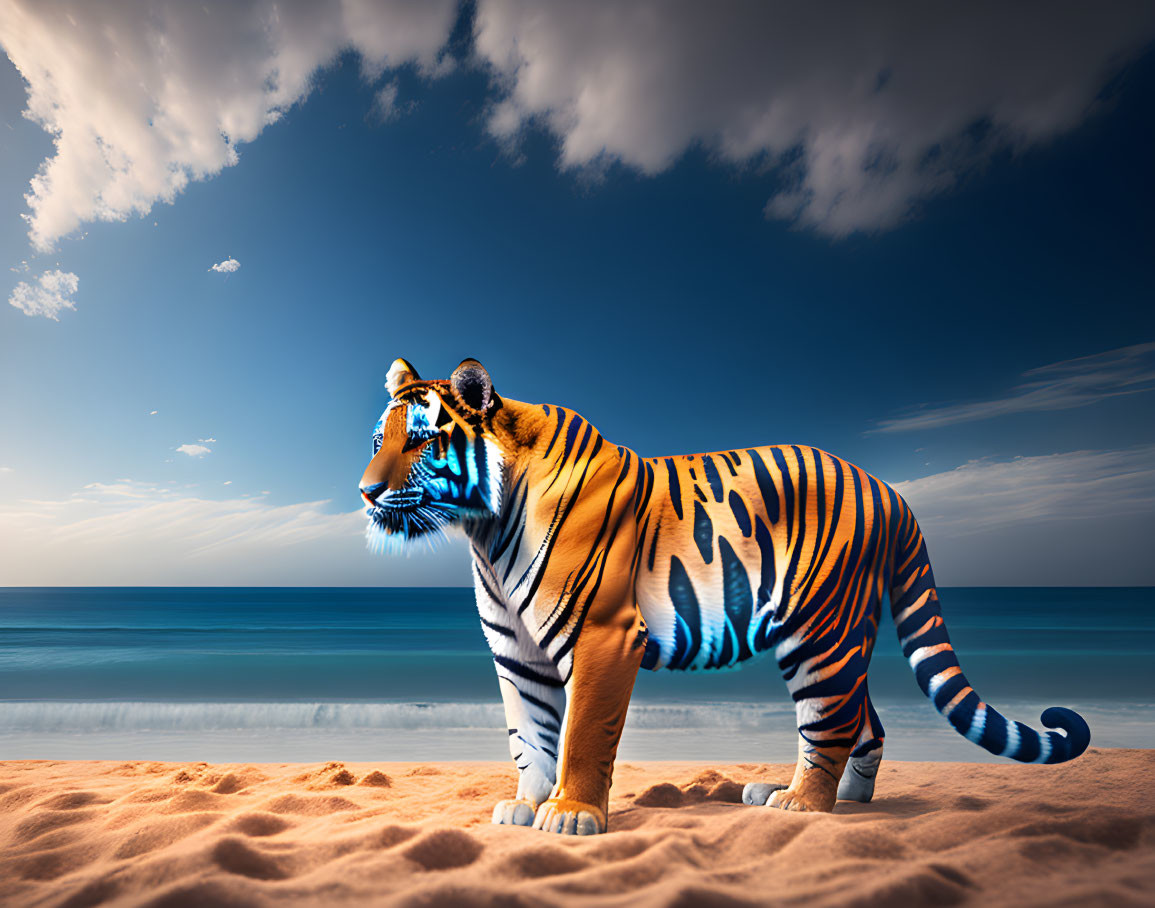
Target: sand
x,y
193,834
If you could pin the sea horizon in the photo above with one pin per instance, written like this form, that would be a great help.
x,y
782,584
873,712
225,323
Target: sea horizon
x,y
288,674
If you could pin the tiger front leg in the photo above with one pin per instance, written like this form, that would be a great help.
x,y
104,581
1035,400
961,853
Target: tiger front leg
x,y
605,665
533,694
534,701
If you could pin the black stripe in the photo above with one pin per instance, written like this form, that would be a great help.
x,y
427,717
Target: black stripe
x,y
703,532
524,671
575,425
675,487
489,592
787,490
738,506
585,440
545,707
766,547
509,527
686,605
557,431
712,477
654,542
737,600
513,553
504,631
765,486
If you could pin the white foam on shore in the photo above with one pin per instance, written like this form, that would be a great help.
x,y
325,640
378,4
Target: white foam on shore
x,y
307,731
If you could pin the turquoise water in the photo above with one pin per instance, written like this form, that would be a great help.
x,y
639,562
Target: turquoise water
x,y
287,674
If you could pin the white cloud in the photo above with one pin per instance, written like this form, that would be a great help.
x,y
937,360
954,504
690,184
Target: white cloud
x,y
143,98
125,488
7,470
228,266
51,293
1058,386
864,109
152,412
1081,518
128,532
207,441
194,450
1069,487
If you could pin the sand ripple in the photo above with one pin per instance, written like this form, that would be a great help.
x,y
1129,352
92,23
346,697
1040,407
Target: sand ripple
x,y
180,835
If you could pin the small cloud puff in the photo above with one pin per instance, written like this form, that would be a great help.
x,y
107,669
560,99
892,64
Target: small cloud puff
x,y
228,266
7,469
152,412
51,292
194,450
385,105
207,441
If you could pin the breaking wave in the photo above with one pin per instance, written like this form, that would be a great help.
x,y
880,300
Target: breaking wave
x,y
115,715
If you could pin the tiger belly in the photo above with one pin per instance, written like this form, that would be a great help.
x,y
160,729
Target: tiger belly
x,y
675,643
706,581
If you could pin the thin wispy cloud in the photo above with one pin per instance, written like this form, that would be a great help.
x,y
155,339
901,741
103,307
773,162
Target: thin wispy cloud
x,y
191,83
1073,486
228,266
48,296
194,450
385,104
1059,386
132,532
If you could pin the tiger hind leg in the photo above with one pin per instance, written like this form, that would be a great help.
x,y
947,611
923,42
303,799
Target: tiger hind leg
x,y
857,783
857,779
816,777
833,713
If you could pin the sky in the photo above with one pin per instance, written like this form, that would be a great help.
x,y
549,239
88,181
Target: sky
x,y
917,237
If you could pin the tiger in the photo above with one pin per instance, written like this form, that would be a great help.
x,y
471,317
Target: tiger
x,y
590,563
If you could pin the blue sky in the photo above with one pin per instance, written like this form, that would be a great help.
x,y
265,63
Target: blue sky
x,y
875,271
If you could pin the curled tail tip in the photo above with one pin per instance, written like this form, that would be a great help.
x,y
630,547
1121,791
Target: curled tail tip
x,y
1078,733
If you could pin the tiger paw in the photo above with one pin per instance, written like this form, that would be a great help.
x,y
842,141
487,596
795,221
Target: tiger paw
x,y
802,800
514,812
569,817
857,783
758,793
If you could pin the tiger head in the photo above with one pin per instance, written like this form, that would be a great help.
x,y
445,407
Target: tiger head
x,y
435,460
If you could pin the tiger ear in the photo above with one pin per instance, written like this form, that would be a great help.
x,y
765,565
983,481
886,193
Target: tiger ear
x,y
472,385
400,373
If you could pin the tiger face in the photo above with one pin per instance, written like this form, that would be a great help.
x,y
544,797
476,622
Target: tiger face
x,y
435,464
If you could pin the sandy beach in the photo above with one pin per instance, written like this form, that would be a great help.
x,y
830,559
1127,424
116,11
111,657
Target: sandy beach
x,y
189,834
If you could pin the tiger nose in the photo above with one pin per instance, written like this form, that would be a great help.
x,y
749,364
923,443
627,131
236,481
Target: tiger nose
x,y
373,492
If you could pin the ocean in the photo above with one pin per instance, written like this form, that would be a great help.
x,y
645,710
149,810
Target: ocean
x,y
286,675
